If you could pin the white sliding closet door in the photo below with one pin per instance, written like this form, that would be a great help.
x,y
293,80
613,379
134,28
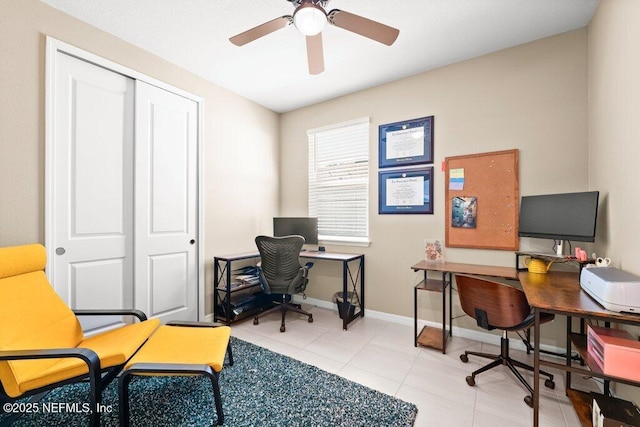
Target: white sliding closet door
x,y
91,190
122,193
165,207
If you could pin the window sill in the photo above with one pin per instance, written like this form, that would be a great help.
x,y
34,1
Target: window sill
x,y
344,241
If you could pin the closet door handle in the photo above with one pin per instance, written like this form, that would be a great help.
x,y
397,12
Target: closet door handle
x,y
60,251
192,241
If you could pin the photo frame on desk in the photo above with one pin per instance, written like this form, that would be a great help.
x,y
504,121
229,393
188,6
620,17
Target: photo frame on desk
x,y
405,191
406,143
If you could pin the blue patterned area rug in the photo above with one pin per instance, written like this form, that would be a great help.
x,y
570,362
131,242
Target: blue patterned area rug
x,y
262,388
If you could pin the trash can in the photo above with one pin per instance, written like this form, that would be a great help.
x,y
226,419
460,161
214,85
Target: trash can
x,y
347,308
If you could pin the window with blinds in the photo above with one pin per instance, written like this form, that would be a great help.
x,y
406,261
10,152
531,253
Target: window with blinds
x,y
339,181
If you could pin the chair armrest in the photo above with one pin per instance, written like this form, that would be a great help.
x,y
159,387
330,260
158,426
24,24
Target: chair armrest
x,y
88,356
115,312
193,324
305,270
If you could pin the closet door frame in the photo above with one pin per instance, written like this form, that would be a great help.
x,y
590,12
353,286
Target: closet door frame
x,y
53,46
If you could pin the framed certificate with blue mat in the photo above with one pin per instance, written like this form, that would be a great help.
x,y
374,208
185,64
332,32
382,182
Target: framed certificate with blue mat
x,y
406,143
405,191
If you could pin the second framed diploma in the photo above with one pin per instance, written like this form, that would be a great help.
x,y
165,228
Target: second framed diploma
x,y
406,191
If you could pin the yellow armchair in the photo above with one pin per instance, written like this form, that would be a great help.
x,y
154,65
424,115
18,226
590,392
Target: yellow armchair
x,y
42,345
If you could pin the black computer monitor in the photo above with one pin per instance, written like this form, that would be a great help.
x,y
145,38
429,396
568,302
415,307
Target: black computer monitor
x,y
303,226
569,216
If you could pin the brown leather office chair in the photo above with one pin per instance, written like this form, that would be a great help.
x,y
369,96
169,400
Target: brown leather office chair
x,y
499,306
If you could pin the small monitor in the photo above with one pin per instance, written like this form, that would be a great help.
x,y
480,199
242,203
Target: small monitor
x,y
303,226
570,216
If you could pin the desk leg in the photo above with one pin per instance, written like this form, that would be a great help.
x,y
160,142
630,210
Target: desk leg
x,y
536,368
216,296
450,304
228,299
220,274
345,317
361,268
347,277
444,314
568,355
415,315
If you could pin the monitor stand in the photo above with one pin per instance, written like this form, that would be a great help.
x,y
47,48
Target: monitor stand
x,y
560,248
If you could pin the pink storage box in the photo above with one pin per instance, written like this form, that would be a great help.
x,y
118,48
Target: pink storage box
x,y
615,351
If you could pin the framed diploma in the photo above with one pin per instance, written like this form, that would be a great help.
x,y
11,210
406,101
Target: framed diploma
x,y
406,143
408,191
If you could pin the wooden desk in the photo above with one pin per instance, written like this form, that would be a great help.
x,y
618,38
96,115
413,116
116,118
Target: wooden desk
x,y
351,278
560,293
434,337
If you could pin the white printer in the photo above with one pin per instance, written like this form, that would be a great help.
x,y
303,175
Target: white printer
x,y
614,289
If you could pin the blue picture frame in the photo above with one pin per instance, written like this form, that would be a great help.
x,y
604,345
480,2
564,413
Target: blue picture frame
x,y
405,191
406,143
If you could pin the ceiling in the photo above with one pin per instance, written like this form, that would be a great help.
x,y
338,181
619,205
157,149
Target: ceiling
x,y
272,71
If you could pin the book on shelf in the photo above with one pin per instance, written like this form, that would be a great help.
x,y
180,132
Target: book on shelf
x,y
239,284
244,303
247,279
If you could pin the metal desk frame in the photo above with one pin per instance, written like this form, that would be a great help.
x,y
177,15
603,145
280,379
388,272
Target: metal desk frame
x,y
351,278
560,293
427,336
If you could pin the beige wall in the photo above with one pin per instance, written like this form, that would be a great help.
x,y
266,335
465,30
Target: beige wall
x,y
614,134
240,138
531,97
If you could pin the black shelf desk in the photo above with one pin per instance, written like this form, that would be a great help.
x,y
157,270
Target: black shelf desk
x,y
352,281
222,306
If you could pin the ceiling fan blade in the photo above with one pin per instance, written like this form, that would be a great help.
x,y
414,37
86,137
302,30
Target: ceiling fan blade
x,y
261,30
363,26
315,54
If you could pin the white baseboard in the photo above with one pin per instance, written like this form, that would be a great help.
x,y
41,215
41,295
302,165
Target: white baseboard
x,y
471,334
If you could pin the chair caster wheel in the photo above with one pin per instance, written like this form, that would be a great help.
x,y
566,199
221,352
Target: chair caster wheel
x,y
529,401
255,321
282,329
464,358
549,384
471,381
310,319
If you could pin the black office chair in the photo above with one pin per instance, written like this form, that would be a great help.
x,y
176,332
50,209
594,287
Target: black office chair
x,y
281,273
499,306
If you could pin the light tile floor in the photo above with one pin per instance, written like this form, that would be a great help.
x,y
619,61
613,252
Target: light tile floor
x,y
381,355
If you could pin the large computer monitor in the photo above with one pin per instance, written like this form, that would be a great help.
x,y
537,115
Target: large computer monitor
x,y
569,216
303,226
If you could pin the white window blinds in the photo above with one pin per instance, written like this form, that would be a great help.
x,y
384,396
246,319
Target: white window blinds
x,y
339,180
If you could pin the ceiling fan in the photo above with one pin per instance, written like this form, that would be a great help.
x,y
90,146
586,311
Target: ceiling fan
x,y
310,18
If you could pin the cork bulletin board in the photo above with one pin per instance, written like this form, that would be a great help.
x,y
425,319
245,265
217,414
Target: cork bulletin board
x,y
482,198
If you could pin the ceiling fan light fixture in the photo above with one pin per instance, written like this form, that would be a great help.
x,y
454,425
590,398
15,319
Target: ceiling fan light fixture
x,y
309,18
